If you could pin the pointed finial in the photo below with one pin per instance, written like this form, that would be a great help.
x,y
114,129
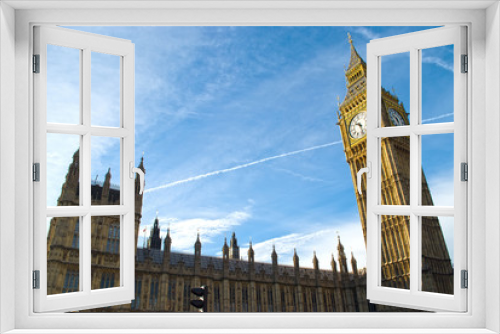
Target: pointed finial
x,y
250,242
349,38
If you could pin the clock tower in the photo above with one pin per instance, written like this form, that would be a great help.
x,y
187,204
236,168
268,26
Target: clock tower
x,y
437,272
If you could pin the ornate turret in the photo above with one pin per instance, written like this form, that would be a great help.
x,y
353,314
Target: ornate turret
x,y
154,241
251,253
69,193
167,243
296,268
167,246
197,246
342,257
333,264
354,264
355,74
315,262
225,250
274,257
234,249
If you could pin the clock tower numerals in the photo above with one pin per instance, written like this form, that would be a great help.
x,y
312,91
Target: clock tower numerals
x,y
396,118
357,128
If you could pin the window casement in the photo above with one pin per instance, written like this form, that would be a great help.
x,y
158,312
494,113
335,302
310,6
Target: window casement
x,y
416,274
81,214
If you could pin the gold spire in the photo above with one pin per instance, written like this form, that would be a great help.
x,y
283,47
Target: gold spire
x,y
355,58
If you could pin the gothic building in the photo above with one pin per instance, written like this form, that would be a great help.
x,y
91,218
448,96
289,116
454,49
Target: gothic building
x,y
164,278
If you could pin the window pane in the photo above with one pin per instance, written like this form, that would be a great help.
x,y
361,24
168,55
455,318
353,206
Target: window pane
x,y
395,171
105,252
437,169
63,169
437,84
63,255
395,76
105,171
63,85
437,254
395,240
105,92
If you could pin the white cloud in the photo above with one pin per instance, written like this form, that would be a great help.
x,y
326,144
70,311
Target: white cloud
x,y
365,32
438,62
183,231
323,241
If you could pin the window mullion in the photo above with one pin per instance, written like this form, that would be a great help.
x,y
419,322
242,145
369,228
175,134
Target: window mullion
x,y
415,173
85,184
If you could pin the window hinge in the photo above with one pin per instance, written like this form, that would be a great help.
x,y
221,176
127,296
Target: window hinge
x,y
36,63
36,279
464,171
36,172
465,279
465,64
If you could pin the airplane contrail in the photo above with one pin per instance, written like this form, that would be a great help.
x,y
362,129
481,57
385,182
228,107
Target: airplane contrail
x,y
222,171
437,117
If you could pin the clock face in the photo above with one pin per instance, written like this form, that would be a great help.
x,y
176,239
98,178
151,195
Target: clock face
x,y
396,118
357,128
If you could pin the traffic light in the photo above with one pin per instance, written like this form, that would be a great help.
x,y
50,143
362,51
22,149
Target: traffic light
x,y
201,292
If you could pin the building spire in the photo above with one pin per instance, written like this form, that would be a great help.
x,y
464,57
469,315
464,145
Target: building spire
x,y
154,235
274,256
355,75
197,245
295,258
355,57
225,250
342,257
250,253
234,249
354,264
315,261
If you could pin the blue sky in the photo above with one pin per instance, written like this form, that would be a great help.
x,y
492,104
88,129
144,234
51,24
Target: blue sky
x,y
209,99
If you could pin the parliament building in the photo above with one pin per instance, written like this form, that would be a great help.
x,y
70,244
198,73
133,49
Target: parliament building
x,y
163,278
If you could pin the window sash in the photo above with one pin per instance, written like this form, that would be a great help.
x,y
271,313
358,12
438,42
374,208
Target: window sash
x,y
412,43
86,297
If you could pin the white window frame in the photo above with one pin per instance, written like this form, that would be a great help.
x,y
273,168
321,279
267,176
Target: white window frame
x,y
86,43
484,103
413,43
